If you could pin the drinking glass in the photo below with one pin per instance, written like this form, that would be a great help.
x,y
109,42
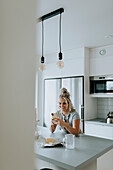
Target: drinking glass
x,y
69,141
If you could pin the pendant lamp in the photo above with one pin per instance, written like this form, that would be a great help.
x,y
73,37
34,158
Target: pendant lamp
x,y
42,65
60,62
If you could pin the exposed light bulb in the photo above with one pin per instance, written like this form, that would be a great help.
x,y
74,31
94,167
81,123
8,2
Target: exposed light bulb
x,y
60,64
42,67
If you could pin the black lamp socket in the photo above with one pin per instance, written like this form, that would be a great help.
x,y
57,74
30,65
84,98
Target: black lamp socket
x,y
60,56
42,59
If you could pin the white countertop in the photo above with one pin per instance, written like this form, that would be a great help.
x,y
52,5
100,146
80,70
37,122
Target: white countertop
x,y
101,121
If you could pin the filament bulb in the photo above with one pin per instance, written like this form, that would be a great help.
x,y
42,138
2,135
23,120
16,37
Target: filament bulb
x,y
42,67
60,64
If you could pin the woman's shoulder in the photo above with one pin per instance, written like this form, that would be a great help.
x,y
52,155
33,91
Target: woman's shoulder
x,y
75,115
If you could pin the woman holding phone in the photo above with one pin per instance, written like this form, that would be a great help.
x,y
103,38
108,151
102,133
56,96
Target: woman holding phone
x,y
68,119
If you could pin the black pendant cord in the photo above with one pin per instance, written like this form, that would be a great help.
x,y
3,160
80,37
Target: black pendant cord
x,y
60,33
42,58
60,53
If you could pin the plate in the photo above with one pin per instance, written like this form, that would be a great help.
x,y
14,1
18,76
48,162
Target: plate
x,y
57,141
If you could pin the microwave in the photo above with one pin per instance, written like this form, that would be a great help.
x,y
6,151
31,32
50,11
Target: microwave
x,y
101,84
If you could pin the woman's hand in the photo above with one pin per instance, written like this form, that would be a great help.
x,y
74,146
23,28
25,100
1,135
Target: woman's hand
x,y
54,121
58,121
61,122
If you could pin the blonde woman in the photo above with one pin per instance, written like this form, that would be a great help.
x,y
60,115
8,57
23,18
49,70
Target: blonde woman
x,y
68,118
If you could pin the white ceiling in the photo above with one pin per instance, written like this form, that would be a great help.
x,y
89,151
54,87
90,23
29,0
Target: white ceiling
x,y
84,23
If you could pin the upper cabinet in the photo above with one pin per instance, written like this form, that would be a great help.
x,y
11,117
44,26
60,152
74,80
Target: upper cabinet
x,y
101,61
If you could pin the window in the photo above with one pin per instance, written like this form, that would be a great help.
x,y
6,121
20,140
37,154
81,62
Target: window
x,y
51,94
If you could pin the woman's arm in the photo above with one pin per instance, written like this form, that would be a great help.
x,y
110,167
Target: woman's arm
x,y
73,130
53,125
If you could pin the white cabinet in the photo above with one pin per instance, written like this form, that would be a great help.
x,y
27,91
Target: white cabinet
x,y
105,162
101,64
99,130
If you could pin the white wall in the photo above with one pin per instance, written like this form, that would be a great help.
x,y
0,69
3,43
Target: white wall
x,y
76,63
0,80
90,104
73,64
17,84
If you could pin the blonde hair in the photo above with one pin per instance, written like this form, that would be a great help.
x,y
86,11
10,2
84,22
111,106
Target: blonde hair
x,y
66,96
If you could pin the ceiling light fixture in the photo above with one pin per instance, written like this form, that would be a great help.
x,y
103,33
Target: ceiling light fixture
x,y
60,63
44,17
102,52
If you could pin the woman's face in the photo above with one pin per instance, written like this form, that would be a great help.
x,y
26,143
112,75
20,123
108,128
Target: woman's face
x,y
63,105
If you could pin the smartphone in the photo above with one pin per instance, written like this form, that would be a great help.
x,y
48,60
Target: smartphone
x,y
54,115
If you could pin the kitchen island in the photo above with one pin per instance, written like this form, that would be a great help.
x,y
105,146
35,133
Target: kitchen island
x,y
88,154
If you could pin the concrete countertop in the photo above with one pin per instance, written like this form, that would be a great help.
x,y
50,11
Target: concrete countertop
x,y
87,149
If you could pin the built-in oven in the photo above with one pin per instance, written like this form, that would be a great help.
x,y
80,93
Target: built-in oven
x,y
101,84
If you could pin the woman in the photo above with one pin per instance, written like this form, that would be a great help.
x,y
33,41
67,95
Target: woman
x,y
68,118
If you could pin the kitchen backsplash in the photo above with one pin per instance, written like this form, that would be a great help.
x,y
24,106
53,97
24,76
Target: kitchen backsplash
x,y
104,105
